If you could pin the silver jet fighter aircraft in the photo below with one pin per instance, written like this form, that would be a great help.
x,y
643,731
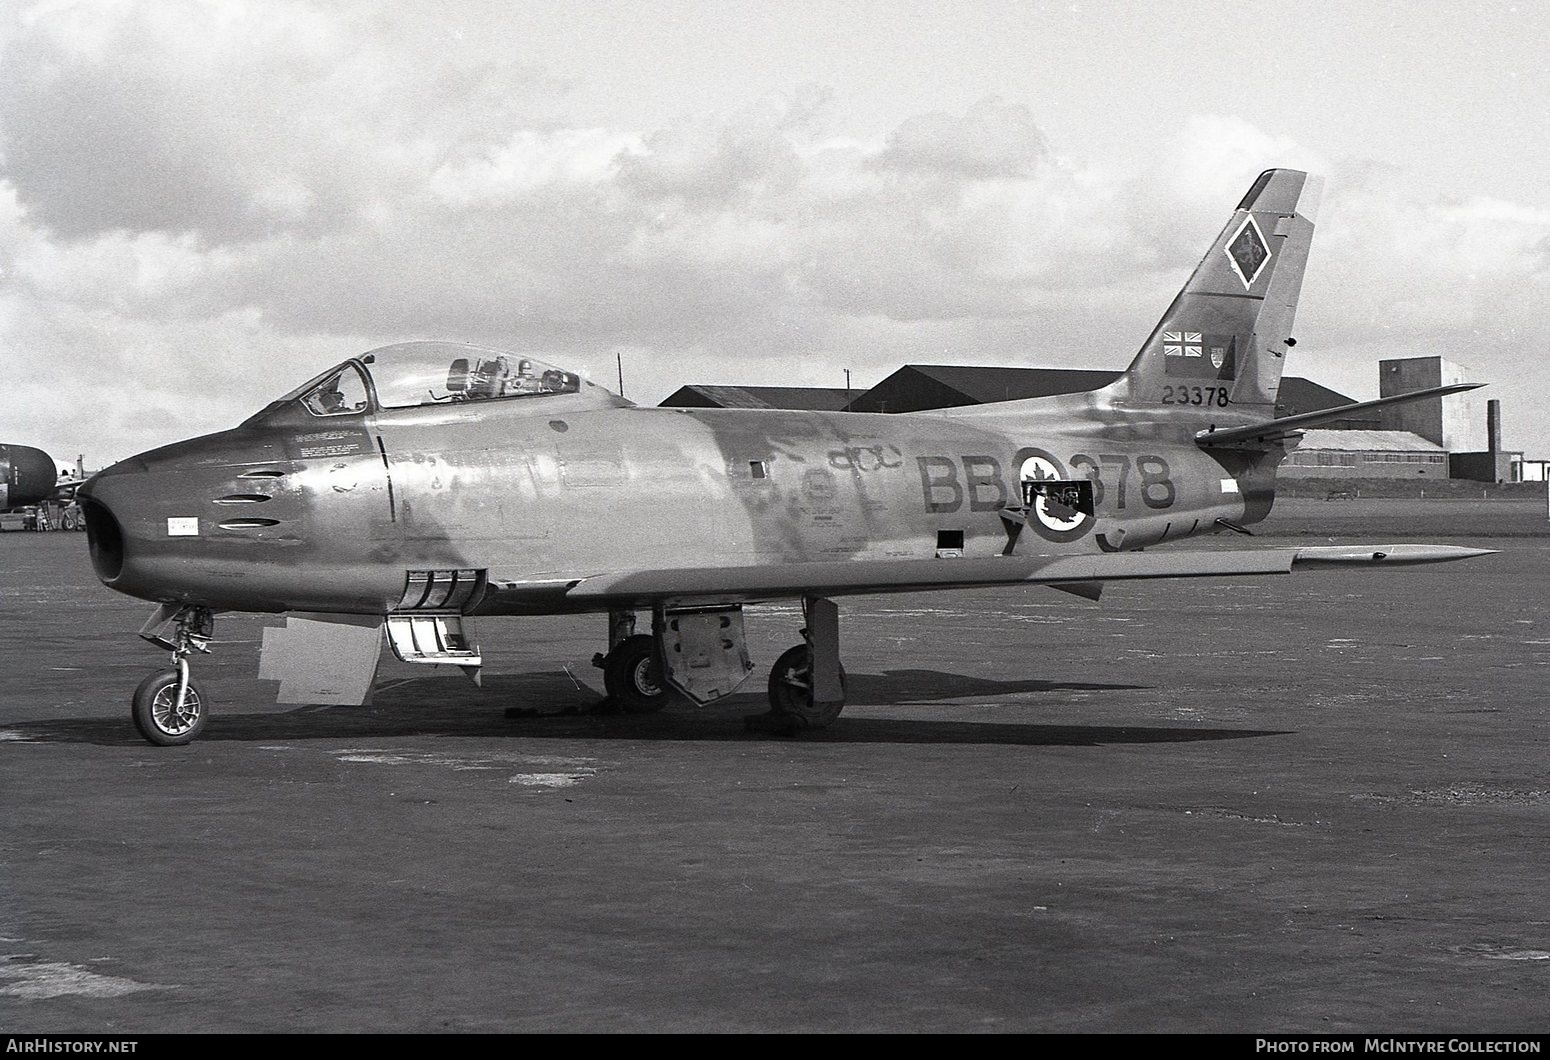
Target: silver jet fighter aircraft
x,y
419,484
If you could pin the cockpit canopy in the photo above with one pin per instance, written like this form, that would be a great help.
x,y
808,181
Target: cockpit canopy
x,y
411,374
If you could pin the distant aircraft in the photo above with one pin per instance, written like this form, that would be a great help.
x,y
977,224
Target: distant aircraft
x,y
70,478
27,476
421,483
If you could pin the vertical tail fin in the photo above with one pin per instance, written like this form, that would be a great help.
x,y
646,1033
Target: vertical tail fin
x,y
1224,339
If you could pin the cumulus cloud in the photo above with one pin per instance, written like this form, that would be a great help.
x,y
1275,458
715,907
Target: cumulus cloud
x,y
993,139
714,161
232,120
1402,274
201,203
1206,166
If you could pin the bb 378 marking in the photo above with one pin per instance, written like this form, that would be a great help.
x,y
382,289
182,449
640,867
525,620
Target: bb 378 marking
x,y
1157,490
1115,477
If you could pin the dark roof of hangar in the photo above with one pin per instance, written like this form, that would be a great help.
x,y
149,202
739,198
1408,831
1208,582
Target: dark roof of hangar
x,y
986,384
916,387
932,386
806,398
1298,395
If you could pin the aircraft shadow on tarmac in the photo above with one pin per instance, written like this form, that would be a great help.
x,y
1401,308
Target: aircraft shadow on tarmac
x,y
563,709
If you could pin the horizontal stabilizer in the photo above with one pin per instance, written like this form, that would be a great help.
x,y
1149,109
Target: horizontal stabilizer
x,y
1273,430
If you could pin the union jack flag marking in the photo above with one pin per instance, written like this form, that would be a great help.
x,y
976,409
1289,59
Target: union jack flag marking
x,y
1182,344
1195,355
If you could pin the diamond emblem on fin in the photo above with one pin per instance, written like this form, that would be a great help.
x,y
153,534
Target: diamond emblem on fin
x,y
1248,251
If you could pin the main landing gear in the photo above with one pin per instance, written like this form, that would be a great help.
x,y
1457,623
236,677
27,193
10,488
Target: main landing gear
x,y
807,683
633,677
632,671
168,708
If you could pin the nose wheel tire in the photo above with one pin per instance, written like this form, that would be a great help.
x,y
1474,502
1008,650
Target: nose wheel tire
x,y
158,716
790,691
633,677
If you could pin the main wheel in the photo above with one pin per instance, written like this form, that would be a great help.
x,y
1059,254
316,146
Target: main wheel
x,y
790,682
633,678
158,716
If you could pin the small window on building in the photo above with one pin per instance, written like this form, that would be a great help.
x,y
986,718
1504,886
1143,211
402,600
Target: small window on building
x,y
759,468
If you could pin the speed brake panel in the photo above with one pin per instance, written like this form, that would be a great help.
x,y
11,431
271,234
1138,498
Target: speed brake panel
x,y
704,654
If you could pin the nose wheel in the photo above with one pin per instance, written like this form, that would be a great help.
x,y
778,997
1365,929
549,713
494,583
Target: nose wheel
x,y
168,708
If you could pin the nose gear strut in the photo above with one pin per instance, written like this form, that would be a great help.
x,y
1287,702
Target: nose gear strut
x,y
168,708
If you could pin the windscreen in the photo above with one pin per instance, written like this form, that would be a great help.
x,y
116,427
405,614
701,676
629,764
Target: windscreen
x,y
341,394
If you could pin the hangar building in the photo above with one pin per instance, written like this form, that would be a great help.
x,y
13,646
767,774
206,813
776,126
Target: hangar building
x,y
808,398
917,387
1456,423
1365,454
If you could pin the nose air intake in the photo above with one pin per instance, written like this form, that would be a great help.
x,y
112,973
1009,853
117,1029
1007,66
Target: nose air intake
x,y
105,539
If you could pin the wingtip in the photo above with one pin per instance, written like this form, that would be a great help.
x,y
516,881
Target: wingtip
x,y
1387,555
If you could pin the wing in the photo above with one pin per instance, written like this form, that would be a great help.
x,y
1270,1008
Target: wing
x,y
324,658
1082,574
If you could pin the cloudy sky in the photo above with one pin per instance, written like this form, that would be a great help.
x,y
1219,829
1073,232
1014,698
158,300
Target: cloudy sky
x,y
203,203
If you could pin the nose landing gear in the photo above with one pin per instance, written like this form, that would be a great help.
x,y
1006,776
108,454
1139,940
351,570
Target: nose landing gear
x,y
168,708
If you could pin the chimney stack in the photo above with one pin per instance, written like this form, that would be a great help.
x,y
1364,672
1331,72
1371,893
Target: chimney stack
x,y
1493,426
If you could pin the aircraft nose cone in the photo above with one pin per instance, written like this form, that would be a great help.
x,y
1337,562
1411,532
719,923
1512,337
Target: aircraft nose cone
x,y
27,476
